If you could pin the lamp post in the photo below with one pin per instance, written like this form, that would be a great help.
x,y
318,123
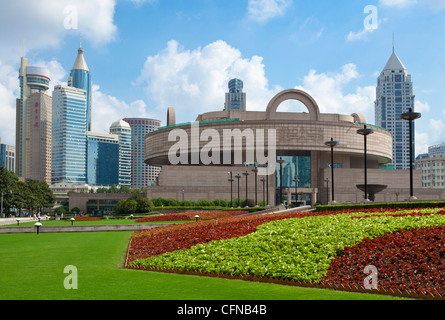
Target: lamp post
x,y
255,170
365,133
18,221
411,116
281,162
231,188
238,177
296,189
38,225
72,221
246,174
263,180
327,190
332,144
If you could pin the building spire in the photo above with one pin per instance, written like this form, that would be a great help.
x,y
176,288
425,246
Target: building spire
x,y
393,43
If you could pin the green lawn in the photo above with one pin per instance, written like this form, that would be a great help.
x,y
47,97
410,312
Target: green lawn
x,y
85,223
33,268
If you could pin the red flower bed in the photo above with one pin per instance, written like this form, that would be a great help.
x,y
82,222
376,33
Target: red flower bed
x,y
407,260
208,215
157,241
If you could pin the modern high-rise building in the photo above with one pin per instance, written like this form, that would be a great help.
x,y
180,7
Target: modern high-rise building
x,y
7,156
69,151
33,124
142,175
235,98
123,130
395,97
80,78
102,159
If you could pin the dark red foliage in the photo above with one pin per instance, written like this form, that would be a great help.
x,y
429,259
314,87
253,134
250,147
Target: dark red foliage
x,y
406,260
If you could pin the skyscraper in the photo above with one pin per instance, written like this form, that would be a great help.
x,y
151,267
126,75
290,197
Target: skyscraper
x,y
235,98
123,130
394,97
69,151
7,156
33,124
80,78
142,175
102,159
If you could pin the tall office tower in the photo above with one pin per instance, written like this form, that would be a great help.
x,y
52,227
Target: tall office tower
x,y
33,124
235,98
80,78
142,175
102,159
7,156
123,130
394,97
69,152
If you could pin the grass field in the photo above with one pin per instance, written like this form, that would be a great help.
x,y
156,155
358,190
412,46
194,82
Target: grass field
x,y
33,269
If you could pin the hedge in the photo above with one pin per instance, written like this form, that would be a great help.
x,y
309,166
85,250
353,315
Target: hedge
x,y
392,205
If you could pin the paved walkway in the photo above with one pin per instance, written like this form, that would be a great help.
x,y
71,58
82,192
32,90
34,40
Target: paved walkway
x,y
7,221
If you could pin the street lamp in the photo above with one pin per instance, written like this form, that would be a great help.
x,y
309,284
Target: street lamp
x,y
332,144
411,116
281,162
365,133
72,221
231,188
238,177
327,190
296,189
255,170
37,225
18,221
263,180
246,174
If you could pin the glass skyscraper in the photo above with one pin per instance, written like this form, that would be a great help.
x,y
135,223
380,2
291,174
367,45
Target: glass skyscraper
x,y
394,97
123,130
235,98
142,175
102,159
69,151
80,78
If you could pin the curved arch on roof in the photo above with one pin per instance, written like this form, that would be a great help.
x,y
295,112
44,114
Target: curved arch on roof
x,y
293,94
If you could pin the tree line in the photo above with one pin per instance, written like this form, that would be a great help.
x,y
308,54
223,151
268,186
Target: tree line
x,y
20,196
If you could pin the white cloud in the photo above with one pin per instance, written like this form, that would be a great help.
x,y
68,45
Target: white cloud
x,y
263,10
195,81
398,3
9,90
422,106
43,24
328,91
107,109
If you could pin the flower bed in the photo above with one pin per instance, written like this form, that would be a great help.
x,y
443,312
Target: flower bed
x,y
157,241
297,246
207,215
406,260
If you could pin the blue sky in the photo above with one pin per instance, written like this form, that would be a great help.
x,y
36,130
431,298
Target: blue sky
x,y
146,56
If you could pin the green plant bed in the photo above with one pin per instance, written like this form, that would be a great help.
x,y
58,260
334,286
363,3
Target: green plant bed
x,y
389,205
34,266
